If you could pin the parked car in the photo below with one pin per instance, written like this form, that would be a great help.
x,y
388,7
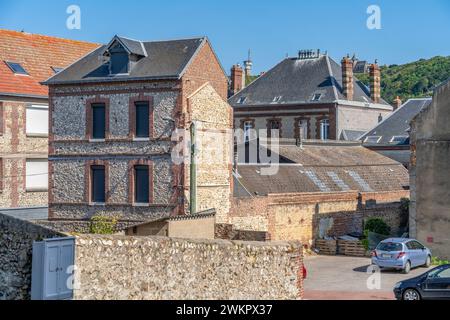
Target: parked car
x,y
402,254
434,284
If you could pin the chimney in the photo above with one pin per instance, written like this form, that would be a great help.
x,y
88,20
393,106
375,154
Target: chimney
x,y
236,79
397,103
347,77
375,80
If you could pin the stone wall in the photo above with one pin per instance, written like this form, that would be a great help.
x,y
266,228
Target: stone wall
x,y
15,147
119,267
307,216
429,174
16,247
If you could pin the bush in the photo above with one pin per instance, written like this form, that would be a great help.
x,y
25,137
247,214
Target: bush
x,y
435,261
102,225
377,225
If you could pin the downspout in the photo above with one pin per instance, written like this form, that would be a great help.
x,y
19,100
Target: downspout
x,y
193,171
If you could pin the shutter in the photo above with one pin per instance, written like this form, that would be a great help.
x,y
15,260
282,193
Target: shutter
x,y
36,174
141,182
98,121
142,120
98,184
37,120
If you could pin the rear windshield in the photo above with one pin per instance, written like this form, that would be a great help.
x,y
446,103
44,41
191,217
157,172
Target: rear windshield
x,y
390,246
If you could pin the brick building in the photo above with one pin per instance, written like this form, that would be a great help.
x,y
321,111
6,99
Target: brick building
x,y
25,60
113,114
310,97
429,215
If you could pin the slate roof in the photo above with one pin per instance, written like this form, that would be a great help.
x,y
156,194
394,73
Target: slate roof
x,y
351,135
397,124
323,168
29,214
37,54
159,60
296,81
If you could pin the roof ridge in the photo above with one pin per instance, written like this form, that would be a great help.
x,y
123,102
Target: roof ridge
x,y
24,33
330,71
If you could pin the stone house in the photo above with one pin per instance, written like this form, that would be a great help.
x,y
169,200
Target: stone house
x,y
25,60
391,136
111,143
430,174
310,97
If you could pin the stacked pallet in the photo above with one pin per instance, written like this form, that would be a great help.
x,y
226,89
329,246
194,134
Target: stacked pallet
x,y
327,247
351,248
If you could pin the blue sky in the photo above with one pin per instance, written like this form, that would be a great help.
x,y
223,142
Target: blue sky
x,y
271,29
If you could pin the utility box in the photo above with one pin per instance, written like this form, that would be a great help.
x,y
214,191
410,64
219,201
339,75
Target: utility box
x,y
53,269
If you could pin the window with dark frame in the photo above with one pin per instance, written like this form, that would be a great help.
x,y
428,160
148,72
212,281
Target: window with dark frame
x,y
16,68
98,193
141,184
273,125
98,121
142,119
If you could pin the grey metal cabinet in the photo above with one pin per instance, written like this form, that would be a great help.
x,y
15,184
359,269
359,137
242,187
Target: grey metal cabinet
x,y
52,269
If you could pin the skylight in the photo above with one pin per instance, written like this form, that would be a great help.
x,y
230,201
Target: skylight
x,y
316,97
372,139
399,139
241,100
16,68
276,99
57,69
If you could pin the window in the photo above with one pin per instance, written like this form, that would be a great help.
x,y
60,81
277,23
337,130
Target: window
x,y
98,121
57,69
372,139
98,184
37,120
316,97
142,119
399,139
16,68
324,129
276,99
119,59
303,129
273,124
36,171
241,100
441,273
141,184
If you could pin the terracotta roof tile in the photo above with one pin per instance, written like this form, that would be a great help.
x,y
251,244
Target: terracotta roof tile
x,y
37,54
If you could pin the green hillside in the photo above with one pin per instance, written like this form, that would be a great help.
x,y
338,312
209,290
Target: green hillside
x,y
411,80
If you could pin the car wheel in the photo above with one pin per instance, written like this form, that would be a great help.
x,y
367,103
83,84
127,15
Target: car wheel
x,y
407,268
428,262
411,294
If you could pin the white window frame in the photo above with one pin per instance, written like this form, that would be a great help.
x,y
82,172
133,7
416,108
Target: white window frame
x,y
43,124
324,123
36,180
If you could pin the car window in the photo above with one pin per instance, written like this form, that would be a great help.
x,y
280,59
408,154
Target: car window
x,y
410,245
390,246
418,245
440,273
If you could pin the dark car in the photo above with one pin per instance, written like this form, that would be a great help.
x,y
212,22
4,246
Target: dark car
x,y
434,284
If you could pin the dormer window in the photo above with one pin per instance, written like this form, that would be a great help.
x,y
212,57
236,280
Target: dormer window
x,y
316,97
241,100
119,59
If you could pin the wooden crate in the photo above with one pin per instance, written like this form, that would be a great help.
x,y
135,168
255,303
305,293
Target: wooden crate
x,y
351,248
327,247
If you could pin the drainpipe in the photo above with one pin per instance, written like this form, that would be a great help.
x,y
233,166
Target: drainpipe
x,y
193,170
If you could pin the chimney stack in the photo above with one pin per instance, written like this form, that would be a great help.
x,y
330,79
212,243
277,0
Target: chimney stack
x,y
397,103
237,79
375,82
347,77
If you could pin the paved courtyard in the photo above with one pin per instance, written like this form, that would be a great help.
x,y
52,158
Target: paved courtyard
x,y
345,278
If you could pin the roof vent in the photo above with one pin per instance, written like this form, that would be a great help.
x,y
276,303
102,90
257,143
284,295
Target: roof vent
x,y
309,54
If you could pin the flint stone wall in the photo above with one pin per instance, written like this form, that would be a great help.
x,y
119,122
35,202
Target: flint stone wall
x,y
16,248
120,267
